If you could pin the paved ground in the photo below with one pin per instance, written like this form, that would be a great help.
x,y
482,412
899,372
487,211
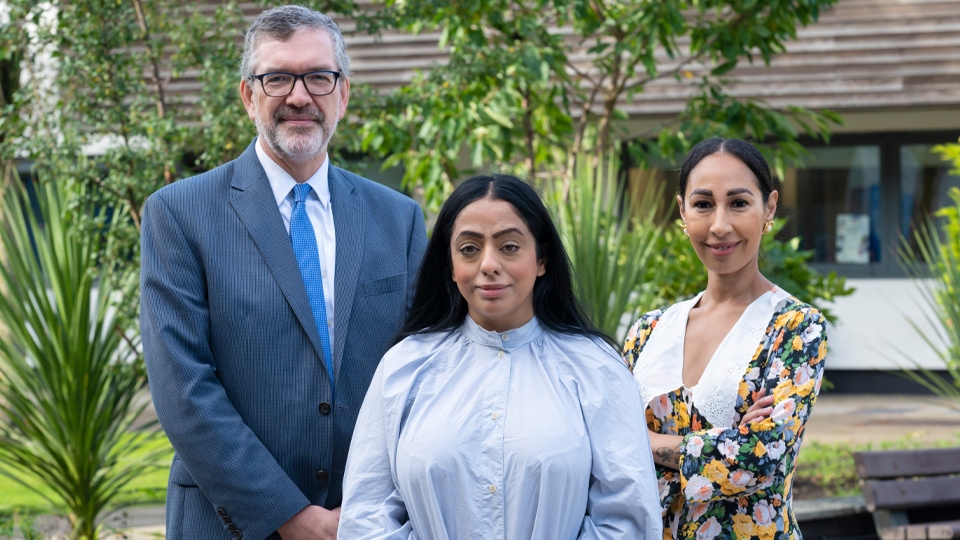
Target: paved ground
x,y
836,418
878,418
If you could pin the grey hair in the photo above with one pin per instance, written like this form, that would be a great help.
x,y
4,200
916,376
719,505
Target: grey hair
x,y
279,24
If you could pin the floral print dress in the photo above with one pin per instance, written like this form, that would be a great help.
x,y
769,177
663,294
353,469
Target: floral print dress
x,y
734,481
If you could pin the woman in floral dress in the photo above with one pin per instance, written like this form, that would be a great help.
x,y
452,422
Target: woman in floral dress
x,y
729,377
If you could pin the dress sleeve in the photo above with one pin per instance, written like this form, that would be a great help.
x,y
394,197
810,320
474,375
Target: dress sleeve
x,y
372,505
637,337
622,500
668,480
730,462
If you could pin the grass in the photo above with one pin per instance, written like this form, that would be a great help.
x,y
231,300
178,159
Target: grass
x,y
831,467
148,488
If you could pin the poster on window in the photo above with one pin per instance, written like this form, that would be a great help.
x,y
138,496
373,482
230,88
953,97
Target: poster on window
x,y
853,238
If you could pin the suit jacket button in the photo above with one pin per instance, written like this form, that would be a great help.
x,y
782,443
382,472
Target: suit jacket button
x,y
324,408
322,475
221,512
231,527
237,534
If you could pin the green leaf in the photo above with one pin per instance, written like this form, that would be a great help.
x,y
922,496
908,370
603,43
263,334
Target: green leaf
x,y
71,376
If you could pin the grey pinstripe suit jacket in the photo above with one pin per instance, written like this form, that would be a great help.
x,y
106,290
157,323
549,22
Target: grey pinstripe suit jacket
x,y
233,356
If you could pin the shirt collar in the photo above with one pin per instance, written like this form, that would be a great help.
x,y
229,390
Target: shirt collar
x,y
282,183
503,340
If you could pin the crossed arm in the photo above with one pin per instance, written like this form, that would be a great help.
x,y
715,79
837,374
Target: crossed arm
x,y
667,448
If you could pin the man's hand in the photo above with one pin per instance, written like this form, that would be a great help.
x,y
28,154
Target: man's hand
x,y
312,523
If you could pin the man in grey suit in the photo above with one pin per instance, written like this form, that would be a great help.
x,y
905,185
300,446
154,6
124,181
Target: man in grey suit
x,y
267,304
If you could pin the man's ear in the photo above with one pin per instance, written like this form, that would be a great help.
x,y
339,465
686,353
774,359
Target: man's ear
x,y
344,98
246,96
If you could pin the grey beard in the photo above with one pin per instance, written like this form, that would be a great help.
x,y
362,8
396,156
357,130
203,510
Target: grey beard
x,y
295,144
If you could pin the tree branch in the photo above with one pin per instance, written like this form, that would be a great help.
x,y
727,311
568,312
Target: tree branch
x,y
158,85
157,82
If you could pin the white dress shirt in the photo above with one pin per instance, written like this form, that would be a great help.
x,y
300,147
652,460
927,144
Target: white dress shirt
x,y
320,212
525,434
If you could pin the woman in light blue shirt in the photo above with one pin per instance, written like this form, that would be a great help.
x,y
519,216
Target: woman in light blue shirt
x,y
503,413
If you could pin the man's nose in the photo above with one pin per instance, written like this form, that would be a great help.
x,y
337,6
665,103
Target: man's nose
x,y
299,96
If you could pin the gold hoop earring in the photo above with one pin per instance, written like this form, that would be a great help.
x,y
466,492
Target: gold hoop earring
x,y
768,227
684,227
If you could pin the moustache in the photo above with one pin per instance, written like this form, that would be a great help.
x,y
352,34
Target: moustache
x,y
283,112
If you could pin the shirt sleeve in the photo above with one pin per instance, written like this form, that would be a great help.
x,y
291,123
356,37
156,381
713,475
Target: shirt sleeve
x,y
729,462
372,505
622,501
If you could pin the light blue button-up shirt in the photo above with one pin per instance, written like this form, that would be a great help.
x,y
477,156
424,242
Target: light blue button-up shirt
x,y
524,434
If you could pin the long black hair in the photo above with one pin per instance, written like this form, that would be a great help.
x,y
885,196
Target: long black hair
x,y
742,150
437,302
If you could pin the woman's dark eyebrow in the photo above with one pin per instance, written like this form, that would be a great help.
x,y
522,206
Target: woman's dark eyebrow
x,y
731,193
470,233
495,235
739,191
508,231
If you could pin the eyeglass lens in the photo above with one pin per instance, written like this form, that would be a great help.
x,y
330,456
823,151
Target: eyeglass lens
x,y
281,84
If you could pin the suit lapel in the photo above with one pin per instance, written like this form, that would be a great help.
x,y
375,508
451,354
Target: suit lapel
x,y
348,222
254,203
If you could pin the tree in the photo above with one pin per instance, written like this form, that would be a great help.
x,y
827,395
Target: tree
x,y
71,376
536,82
106,119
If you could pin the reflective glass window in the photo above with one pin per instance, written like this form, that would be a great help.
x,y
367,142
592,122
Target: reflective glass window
x,y
833,204
925,183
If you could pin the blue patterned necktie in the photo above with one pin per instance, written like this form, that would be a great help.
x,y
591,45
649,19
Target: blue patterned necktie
x,y
308,258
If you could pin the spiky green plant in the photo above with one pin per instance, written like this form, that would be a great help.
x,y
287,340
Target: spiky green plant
x,y
612,242
71,381
935,266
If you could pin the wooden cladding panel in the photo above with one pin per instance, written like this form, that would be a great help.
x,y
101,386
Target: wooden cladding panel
x,y
861,55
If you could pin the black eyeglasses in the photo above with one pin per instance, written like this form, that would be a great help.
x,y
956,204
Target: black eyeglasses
x,y
280,84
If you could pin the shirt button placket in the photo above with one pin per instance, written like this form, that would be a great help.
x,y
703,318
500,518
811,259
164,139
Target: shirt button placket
x,y
493,430
496,494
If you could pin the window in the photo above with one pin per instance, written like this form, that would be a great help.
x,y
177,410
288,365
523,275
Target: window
x,y
925,184
833,204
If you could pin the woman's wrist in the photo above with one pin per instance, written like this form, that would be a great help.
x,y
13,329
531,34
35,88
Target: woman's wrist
x,y
666,449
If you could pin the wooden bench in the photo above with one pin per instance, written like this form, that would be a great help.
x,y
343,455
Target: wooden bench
x,y
913,494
